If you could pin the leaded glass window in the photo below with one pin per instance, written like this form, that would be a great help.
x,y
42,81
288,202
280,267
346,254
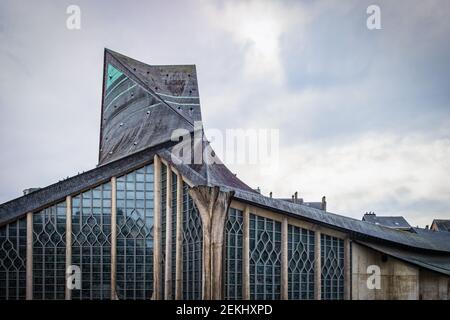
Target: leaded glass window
x,y
300,263
233,259
332,257
13,252
192,248
163,223
265,258
49,253
134,278
91,242
174,229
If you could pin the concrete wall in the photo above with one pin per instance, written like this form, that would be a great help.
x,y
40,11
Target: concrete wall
x,y
399,280
433,286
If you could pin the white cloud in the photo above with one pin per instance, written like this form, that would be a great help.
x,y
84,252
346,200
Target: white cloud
x,y
256,26
377,172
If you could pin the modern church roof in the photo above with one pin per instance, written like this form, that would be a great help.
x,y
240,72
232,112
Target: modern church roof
x,y
149,103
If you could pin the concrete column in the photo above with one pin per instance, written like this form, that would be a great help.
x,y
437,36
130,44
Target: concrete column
x,y
68,242
157,286
317,267
168,253
246,254
347,267
213,207
179,241
29,264
284,259
113,238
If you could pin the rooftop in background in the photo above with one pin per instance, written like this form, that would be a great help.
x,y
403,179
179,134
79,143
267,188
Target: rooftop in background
x,y
440,225
398,222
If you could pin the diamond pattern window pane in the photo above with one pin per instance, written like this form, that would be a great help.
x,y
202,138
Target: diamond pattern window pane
x,y
233,258
49,253
174,228
265,258
13,252
163,222
332,257
134,278
192,249
91,242
300,263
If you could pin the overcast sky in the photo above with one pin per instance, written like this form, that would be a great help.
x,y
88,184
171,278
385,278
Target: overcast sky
x,y
364,115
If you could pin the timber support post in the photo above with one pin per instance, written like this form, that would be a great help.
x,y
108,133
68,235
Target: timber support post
x,y
212,204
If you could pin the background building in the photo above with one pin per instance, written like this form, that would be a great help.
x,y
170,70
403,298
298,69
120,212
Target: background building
x,y
144,225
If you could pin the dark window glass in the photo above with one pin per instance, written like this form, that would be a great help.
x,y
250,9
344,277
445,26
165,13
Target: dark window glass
x,y
49,252
91,242
135,235
332,258
233,259
265,258
192,248
300,263
13,247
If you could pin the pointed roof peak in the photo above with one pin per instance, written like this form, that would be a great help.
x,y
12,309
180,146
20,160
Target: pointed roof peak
x,y
143,104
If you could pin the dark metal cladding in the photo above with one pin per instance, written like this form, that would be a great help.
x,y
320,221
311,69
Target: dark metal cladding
x,y
143,104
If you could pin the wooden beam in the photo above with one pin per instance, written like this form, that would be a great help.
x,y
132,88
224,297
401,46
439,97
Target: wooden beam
x,y
179,241
317,267
157,286
168,249
29,263
347,267
68,243
212,204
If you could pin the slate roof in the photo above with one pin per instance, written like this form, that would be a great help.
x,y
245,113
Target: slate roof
x,y
155,139
441,225
397,222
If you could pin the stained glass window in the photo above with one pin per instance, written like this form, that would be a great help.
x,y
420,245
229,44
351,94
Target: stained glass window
x,y
91,242
13,252
265,258
332,257
233,260
174,229
135,234
300,263
49,253
192,248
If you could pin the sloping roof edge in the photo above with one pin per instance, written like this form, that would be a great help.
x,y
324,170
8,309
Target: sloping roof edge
x,y
437,263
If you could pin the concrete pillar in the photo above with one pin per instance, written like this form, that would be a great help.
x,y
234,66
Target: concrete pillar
x,y
179,241
168,253
113,238
213,207
246,254
347,267
29,264
68,242
317,267
157,286
284,259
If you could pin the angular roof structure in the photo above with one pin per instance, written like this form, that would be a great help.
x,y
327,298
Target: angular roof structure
x,y
397,222
149,103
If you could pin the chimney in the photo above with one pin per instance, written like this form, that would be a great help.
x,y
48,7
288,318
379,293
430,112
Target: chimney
x,y
29,190
270,194
324,204
296,196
